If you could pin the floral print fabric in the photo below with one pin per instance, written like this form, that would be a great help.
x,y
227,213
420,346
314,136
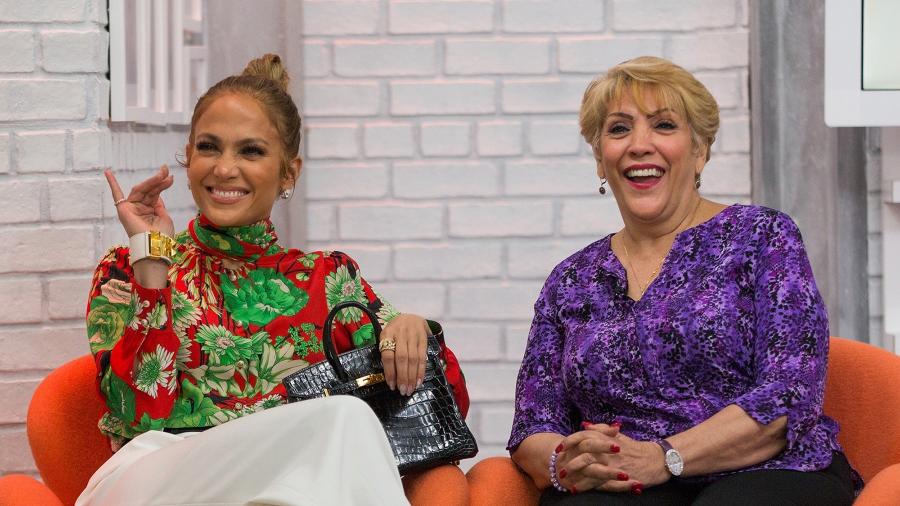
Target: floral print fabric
x,y
734,317
240,313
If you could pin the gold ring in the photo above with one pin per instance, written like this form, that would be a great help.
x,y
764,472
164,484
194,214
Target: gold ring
x,y
116,203
387,345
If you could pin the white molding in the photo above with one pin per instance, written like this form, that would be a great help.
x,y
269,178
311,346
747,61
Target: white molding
x,y
846,103
890,232
169,68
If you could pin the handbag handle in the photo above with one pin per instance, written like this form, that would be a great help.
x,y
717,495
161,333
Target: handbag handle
x,y
330,351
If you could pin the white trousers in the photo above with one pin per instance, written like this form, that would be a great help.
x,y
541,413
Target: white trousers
x,y
329,451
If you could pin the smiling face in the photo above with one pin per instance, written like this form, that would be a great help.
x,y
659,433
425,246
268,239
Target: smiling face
x,y
649,159
234,162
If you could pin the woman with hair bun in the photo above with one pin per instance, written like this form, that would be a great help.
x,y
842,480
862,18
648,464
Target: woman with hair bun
x,y
196,330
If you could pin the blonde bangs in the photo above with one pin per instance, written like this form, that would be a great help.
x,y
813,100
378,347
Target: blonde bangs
x,y
647,79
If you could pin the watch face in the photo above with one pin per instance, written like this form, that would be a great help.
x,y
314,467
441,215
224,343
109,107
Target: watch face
x,y
674,462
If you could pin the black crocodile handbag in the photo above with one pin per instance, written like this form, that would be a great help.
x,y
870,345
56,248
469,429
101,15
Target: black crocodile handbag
x,y
425,429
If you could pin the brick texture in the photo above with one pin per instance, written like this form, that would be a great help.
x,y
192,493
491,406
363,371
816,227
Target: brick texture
x,y
449,139
436,16
57,216
18,50
75,51
441,151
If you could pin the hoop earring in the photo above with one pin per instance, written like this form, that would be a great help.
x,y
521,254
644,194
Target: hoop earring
x,y
285,194
697,181
602,188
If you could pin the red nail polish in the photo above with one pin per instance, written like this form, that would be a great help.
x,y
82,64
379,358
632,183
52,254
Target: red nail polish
x,y
560,448
562,473
615,448
616,423
574,490
622,477
637,488
585,425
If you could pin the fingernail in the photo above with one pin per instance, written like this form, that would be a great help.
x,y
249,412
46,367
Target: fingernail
x,y
390,385
562,473
622,477
614,448
418,384
560,448
637,488
574,490
616,423
585,425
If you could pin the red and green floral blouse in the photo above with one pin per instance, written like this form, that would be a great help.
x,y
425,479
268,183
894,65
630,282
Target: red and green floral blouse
x,y
215,344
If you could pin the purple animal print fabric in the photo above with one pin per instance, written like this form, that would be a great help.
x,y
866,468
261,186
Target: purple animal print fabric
x,y
734,317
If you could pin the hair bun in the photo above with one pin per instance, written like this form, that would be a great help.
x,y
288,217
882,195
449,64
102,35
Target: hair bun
x,y
269,66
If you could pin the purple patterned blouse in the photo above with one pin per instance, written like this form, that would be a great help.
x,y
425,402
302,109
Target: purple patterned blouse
x,y
734,317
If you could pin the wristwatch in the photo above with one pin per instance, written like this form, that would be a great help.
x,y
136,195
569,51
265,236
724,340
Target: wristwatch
x,y
153,244
674,462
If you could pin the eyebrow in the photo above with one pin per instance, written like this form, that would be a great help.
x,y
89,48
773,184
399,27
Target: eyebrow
x,y
650,115
242,142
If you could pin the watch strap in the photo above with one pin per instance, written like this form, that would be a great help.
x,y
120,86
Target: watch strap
x,y
665,445
675,468
153,245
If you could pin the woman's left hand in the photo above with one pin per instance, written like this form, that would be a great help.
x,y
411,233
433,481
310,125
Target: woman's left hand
x,y
642,461
404,366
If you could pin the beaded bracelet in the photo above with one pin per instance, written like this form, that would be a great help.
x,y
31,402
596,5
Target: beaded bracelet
x,y
553,479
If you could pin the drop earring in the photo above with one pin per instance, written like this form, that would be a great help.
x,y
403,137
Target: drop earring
x,y
285,194
602,188
697,182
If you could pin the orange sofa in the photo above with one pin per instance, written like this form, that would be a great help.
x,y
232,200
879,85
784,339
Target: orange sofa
x,y
862,393
68,448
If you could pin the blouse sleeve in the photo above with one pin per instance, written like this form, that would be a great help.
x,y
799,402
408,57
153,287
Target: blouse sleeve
x,y
133,345
541,403
791,349
345,282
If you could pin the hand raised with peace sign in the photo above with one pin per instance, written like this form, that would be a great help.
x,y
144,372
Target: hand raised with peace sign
x,y
143,210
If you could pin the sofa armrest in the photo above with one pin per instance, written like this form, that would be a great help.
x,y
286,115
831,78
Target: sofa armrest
x,y
497,481
440,486
883,489
22,490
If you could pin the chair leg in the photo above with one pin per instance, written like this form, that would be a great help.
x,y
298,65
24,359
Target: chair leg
x,y
22,490
441,486
497,481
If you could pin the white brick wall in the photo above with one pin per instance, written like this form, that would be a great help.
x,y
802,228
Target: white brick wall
x,y
57,218
449,140
442,153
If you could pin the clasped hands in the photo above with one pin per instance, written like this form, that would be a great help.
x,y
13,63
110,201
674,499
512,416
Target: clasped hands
x,y
602,458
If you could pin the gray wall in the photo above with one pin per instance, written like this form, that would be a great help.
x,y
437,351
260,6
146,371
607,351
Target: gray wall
x,y
815,173
240,31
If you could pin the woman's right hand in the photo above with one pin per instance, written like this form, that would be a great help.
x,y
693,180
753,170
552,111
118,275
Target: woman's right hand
x,y
143,210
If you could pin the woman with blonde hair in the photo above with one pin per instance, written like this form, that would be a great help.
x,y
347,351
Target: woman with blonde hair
x,y
682,359
195,331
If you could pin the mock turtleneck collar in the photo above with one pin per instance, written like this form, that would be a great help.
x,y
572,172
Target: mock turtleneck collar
x,y
247,242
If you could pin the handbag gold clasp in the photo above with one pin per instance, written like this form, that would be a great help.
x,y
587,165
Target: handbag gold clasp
x,y
369,379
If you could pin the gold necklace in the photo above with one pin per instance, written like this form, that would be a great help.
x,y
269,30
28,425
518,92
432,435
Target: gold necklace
x,y
637,277
643,286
